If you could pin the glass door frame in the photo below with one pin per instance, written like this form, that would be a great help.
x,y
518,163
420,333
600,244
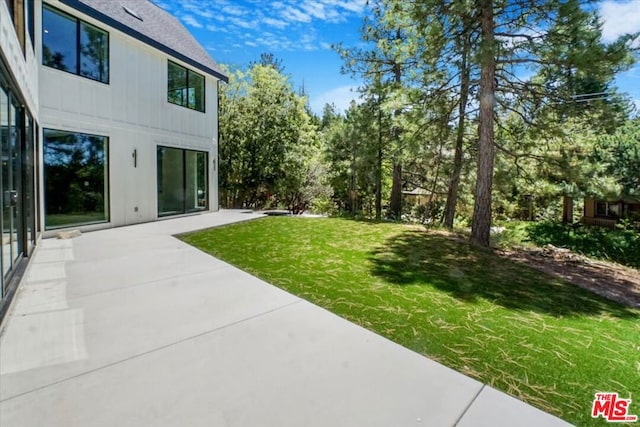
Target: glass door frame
x,y
19,148
184,187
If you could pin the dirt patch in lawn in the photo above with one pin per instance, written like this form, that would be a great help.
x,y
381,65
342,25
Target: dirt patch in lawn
x,y
610,280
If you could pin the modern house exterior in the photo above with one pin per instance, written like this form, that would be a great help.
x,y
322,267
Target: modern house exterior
x,y
108,115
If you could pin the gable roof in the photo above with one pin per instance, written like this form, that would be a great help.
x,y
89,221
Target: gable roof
x,y
152,25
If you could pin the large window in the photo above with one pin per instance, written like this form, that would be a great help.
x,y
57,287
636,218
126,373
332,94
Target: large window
x,y
185,87
182,181
71,45
75,178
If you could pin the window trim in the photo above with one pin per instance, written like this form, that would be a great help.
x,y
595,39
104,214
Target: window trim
x,y
186,101
78,45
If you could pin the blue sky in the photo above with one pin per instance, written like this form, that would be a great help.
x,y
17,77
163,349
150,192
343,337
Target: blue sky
x,y
300,32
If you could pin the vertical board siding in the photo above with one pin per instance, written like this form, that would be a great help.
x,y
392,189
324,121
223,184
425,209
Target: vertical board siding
x,y
133,111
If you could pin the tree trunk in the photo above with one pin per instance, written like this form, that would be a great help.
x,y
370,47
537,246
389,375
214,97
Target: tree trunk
x,y
567,209
353,191
481,225
427,211
379,167
395,202
454,183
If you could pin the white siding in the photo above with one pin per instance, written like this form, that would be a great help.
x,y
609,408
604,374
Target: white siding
x,y
132,110
24,67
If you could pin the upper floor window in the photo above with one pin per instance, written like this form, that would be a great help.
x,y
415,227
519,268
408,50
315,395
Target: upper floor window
x,y
75,46
17,11
185,87
29,19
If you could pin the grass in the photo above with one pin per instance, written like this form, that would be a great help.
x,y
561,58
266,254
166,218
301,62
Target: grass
x,y
618,245
539,339
69,220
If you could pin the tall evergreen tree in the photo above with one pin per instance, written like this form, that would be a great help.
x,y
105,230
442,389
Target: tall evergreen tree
x,y
265,138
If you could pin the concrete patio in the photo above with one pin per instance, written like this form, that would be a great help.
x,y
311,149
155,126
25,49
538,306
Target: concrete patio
x,y
132,327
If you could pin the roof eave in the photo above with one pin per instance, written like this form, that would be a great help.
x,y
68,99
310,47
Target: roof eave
x,y
89,11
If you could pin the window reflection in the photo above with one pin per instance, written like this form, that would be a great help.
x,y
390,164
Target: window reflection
x,y
182,181
6,187
170,181
94,53
177,84
60,43
185,87
58,40
75,178
196,92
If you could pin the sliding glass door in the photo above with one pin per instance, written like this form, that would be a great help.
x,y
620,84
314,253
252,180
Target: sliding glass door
x,y
17,203
5,182
182,181
10,123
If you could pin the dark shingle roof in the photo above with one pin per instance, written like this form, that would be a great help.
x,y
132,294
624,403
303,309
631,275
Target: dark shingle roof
x,y
156,27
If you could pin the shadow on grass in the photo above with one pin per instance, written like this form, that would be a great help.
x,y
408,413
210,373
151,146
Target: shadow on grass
x,y
415,257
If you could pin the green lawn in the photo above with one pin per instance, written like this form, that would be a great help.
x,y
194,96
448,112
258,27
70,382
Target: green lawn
x,y
537,338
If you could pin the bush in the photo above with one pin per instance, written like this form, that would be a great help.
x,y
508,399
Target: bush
x,y
620,245
515,233
323,205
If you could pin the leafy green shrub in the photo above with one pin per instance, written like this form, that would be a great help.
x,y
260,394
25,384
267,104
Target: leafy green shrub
x,y
323,205
619,245
515,233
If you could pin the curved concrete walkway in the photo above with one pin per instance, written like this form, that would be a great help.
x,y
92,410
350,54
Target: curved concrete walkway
x,y
132,327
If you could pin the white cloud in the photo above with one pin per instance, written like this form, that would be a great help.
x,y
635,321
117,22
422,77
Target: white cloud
x,y
273,42
273,22
356,6
314,9
190,20
340,96
293,24
241,23
619,18
292,14
198,11
216,28
235,10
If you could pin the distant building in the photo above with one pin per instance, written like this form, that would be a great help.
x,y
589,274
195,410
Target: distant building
x,y
108,117
607,213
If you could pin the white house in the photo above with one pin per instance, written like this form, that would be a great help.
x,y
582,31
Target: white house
x,y
108,114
